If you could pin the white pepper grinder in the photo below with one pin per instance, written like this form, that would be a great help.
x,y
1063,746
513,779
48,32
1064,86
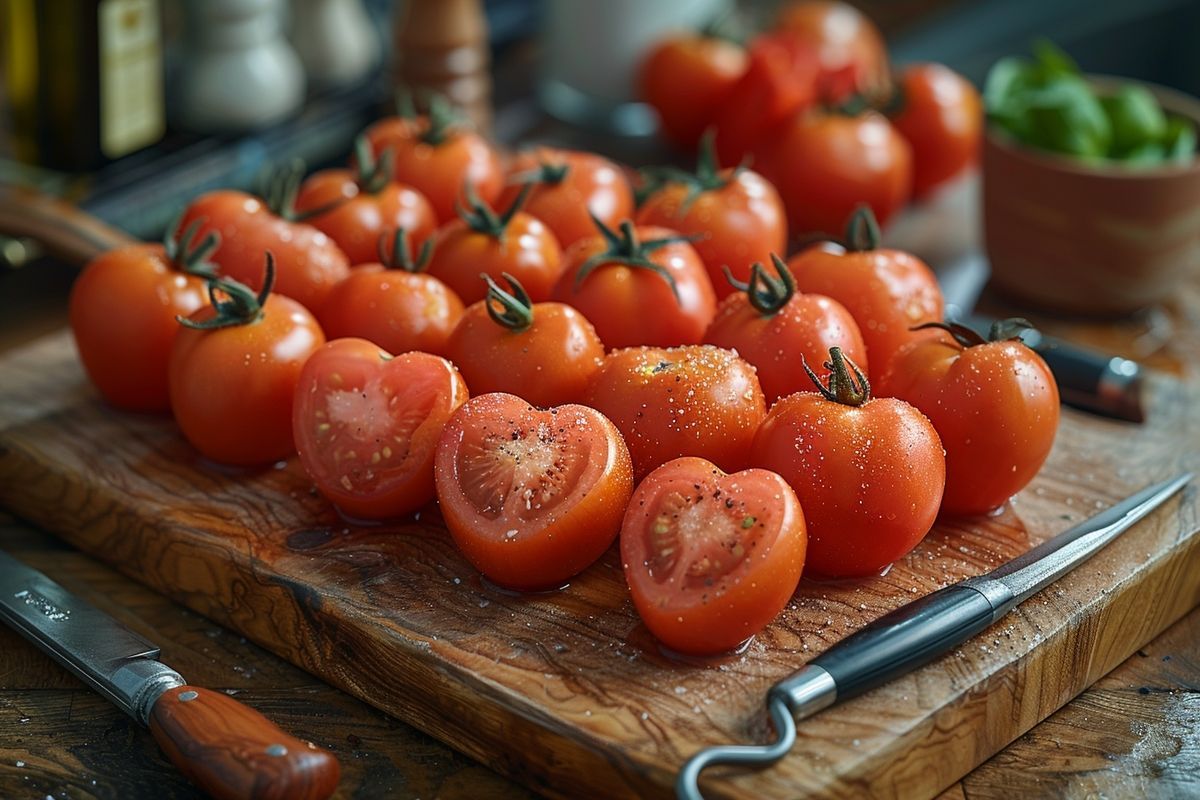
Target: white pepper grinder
x,y
240,72
336,40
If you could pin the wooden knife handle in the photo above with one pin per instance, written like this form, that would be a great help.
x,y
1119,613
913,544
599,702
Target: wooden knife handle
x,y
235,753
62,229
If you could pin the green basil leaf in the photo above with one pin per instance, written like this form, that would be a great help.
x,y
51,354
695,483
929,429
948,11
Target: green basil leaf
x,y
1179,142
1136,118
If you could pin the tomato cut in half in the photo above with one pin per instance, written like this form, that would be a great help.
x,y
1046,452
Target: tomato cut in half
x,y
367,424
531,497
711,558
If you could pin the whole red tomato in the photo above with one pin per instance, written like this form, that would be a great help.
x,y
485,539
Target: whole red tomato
x,y
772,326
941,116
826,163
735,215
994,405
481,241
357,208
570,187
307,261
711,558
869,472
849,47
643,286
544,353
888,292
393,303
233,372
123,311
685,79
683,401
531,497
438,156
366,425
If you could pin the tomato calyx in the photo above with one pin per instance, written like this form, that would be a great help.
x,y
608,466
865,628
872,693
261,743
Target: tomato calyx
x,y
1002,330
482,218
768,296
515,308
626,249
186,254
724,26
372,174
399,257
240,306
280,191
862,231
706,177
847,383
546,172
442,121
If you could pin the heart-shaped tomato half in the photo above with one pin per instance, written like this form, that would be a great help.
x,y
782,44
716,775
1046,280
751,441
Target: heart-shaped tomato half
x,y
367,424
711,558
531,497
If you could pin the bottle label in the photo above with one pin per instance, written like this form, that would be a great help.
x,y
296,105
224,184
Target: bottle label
x,y
131,75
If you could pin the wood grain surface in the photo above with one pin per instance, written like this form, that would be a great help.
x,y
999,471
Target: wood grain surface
x,y
565,692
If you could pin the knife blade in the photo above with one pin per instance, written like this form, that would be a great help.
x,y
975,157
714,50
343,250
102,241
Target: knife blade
x,y
227,748
920,631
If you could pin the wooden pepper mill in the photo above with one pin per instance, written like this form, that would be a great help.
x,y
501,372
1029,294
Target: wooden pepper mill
x,y
442,46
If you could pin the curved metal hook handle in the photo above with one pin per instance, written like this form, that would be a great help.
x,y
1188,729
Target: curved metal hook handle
x,y
687,785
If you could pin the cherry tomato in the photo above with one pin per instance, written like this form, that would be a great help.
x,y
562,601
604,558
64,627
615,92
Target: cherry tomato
x,y
481,241
684,401
711,558
366,425
364,205
888,292
531,497
827,163
233,372
780,80
308,262
569,188
686,79
393,304
869,472
773,327
440,159
545,353
123,311
941,117
994,404
735,214
644,285
850,48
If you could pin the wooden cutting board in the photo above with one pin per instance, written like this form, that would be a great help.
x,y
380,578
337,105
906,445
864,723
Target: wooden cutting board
x,y
565,691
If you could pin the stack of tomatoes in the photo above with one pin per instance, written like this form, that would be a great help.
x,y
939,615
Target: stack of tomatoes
x,y
812,104
558,368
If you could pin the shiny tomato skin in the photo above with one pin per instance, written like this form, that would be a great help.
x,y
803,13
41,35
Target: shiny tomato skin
x,y
711,558
685,79
941,117
366,425
683,401
869,478
632,306
995,407
361,219
531,497
886,291
850,48
805,329
736,225
528,251
232,388
439,171
308,264
548,364
592,184
825,164
122,312
397,310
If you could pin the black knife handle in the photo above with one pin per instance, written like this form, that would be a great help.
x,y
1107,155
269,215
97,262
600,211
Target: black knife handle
x,y
905,639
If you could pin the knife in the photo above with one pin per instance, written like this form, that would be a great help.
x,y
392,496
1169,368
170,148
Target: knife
x,y
228,749
917,633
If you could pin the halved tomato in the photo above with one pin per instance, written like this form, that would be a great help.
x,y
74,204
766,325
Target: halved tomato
x,y
366,425
711,558
531,497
